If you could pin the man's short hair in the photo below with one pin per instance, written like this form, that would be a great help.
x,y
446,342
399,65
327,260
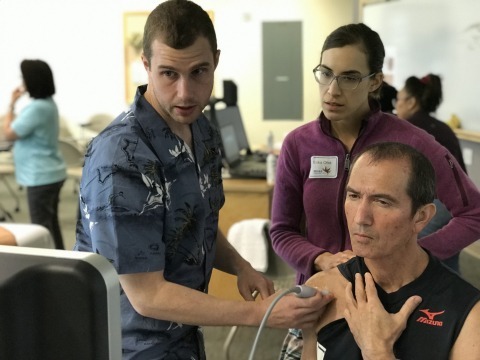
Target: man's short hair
x,y
421,182
178,23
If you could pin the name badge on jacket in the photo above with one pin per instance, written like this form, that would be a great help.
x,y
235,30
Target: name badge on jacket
x,y
323,167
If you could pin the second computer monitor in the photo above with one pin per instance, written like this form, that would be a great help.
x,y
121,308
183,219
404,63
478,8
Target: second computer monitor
x,y
230,116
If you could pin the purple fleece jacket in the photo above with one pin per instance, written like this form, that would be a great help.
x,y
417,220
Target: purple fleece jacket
x,y
317,202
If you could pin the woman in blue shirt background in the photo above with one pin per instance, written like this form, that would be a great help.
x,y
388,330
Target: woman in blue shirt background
x,y
39,165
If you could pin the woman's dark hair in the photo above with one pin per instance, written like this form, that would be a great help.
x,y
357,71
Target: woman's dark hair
x,y
359,34
38,78
427,91
178,23
388,94
368,41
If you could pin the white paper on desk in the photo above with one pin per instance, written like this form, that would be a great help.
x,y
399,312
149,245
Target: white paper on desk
x,y
248,238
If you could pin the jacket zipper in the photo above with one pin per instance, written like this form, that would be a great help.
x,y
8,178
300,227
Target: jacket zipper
x,y
341,199
342,186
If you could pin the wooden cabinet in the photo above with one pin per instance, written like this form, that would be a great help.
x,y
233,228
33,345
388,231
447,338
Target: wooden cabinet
x,y
244,199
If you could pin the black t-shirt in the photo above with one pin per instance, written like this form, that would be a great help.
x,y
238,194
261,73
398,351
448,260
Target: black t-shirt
x,y
431,329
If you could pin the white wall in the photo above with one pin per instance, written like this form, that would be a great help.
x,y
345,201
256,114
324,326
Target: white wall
x,y
440,37
83,43
239,35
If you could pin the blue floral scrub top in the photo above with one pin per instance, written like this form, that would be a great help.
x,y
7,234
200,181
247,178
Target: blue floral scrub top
x,y
149,203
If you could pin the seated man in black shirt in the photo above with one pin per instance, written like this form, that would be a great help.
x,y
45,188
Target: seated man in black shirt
x,y
394,300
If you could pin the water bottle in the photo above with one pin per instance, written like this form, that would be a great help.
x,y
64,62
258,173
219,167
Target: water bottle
x,y
271,160
270,142
271,168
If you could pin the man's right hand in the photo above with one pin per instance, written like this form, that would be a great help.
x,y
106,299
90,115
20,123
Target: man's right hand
x,y
294,312
328,261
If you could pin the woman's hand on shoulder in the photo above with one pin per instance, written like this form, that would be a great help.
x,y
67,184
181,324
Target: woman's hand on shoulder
x,y
328,260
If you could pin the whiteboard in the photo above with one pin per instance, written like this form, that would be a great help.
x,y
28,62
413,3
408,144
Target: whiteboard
x,y
434,36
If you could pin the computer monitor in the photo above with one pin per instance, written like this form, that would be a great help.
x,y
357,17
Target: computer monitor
x,y
231,149
58,304
231,116
229,93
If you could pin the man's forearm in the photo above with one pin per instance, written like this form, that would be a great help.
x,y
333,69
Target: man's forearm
x,y
227,258
172,302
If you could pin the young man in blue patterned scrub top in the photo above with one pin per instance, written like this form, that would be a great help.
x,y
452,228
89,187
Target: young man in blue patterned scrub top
x,y
150,197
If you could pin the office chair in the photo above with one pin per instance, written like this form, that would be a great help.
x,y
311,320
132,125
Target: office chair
x,y
7,168
73,157
98,122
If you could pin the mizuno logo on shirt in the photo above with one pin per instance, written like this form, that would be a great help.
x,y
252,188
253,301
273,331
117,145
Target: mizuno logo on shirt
x,y
430,318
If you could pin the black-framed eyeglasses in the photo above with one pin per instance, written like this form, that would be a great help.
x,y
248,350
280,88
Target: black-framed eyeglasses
x,y
325,76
